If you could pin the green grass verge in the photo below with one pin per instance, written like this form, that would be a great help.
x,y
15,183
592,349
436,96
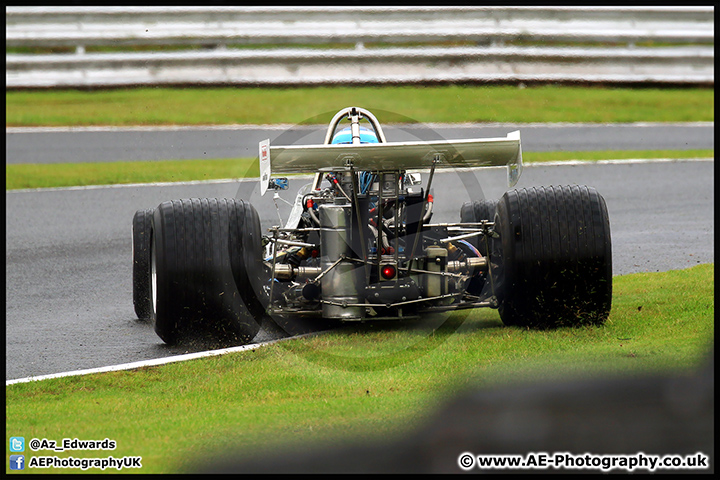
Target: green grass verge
x,y
452,103
366,382
112,173
20,176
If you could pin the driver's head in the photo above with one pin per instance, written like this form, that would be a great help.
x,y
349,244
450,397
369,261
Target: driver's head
x,y
344,136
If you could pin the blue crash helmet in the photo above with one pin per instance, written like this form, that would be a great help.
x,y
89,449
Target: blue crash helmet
x,y
344,136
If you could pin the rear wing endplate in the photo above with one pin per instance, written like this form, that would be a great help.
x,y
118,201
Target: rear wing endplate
x,y
471,153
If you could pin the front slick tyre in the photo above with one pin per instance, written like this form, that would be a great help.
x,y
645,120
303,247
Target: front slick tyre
x,y
553,261
195,297
475,212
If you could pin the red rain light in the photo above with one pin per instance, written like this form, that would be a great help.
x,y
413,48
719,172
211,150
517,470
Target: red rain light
x,y
388,272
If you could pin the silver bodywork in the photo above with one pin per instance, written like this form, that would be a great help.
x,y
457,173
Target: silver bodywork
x,y
359,243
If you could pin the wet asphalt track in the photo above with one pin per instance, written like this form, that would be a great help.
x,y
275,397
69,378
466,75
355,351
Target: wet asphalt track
x,y
68,252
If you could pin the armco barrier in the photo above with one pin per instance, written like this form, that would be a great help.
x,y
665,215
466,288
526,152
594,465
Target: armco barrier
x,y
120,46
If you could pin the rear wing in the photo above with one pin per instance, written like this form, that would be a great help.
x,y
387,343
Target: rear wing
x,y
486,152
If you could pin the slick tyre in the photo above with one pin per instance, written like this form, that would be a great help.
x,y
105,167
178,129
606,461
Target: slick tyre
x,y
199,246
475,212
552,262
141,233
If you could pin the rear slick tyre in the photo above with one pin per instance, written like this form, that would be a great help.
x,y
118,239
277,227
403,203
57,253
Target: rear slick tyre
x,y
141,234
553,260
194,291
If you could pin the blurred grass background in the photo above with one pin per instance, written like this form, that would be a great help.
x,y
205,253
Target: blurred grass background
x,y
445,104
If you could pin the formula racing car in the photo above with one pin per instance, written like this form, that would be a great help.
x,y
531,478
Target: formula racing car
x,y
360,244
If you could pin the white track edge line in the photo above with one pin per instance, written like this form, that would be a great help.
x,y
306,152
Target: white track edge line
x,y
155,361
